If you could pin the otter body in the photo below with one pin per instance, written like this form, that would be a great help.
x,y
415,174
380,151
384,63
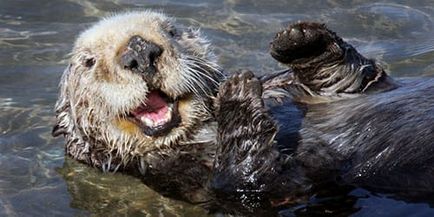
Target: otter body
x,y
144,96
334,118
381,129
383,140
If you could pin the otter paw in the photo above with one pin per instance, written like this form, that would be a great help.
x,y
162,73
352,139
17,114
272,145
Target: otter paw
x,y
300,41
240,87
245,135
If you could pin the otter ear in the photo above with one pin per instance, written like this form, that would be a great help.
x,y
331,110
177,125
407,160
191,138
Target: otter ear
x,y
62,107
58,130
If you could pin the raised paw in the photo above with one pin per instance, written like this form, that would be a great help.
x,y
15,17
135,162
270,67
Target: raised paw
x,y
325,67
246,157
240,87
302,40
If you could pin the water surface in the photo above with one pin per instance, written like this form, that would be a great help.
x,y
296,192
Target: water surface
x,y
36,36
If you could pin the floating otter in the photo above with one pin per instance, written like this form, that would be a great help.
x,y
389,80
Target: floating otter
x,y
144,96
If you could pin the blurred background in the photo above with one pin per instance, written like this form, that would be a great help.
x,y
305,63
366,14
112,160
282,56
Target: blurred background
x,y
37,35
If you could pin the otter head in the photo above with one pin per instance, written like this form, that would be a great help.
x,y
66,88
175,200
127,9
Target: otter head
x,y
136,83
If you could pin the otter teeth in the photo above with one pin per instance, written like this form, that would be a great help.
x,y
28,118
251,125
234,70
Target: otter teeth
x,y
147,121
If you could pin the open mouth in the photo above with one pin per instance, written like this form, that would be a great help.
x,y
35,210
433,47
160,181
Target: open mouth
x,y
157,115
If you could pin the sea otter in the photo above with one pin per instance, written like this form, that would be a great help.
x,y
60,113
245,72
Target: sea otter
x,y
145,96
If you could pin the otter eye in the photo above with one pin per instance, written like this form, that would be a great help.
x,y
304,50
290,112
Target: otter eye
x,y
89,62
172,32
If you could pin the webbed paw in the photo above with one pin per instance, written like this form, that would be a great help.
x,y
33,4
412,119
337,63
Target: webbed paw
x,y
326,67
300,41
246,155
242,86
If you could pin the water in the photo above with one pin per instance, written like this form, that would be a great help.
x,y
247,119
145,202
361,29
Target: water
x,y
36,36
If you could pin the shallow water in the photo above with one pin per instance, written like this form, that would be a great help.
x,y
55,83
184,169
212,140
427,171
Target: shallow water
x,y
36,36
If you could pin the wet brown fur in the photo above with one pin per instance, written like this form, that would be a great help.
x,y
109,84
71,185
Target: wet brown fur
x,y
329,119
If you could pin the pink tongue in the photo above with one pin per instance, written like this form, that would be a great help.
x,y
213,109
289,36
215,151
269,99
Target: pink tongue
x,y
154,102
155,107
158,115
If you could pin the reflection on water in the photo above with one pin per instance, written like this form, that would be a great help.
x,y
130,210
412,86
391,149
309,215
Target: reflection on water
x,y
95,192
36,36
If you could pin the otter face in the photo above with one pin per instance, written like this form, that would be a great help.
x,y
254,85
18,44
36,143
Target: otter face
x,y
135,83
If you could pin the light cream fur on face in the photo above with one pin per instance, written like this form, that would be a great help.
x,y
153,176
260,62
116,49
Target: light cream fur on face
x,y
94,100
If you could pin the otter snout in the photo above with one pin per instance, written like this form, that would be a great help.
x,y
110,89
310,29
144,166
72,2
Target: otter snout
x,y
140,55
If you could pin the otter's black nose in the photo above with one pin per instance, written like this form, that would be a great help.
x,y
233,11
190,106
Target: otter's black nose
x,y
140,55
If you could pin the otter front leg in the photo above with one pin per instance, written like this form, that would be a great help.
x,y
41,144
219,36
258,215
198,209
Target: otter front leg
x,y
246,157
324,65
